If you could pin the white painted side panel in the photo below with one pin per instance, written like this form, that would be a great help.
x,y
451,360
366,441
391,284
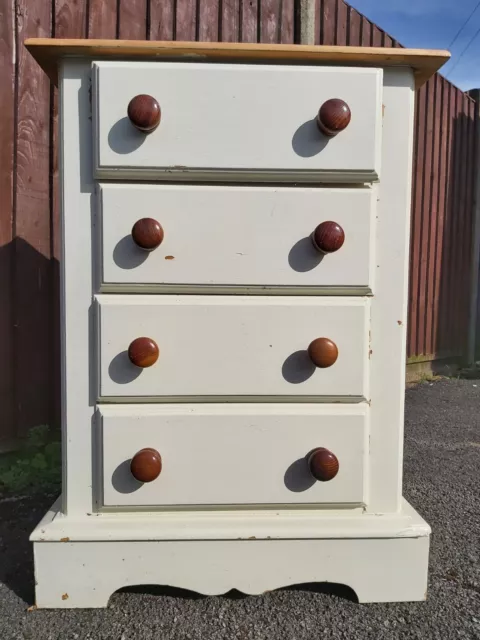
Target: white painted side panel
x,y
390,305
227,454
77,328
233,345
245,236
250,119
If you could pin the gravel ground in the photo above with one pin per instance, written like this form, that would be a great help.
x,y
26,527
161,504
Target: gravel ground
x,y
442,480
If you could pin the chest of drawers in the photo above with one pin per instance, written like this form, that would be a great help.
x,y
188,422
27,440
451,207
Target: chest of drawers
x,y
235,224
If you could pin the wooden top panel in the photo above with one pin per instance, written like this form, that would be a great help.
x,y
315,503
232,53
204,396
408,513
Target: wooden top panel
x,y
48,52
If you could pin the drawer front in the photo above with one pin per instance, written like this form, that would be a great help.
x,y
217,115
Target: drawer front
x,y
231,346
236,122
233,454
236,236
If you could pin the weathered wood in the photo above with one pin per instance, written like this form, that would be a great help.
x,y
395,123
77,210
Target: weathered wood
x,y
33,274
442,125
70,21
248,20
229,21
185,20
327,22
102,19
7,138
432,274
208,20
416,223
132,19
162,19
355,28
426,219
341,25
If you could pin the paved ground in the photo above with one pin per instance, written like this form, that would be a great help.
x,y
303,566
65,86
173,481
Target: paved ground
x,y
442,480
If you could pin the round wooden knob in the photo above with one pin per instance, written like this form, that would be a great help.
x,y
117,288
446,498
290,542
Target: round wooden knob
x,y
144,113
328,237
323,352
146,465
323,464
334,116
143,352
147,234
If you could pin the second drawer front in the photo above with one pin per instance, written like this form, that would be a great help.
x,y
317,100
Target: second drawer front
x,y
236,236
232,454
232,346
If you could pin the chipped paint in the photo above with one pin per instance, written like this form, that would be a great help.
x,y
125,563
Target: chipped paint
x,y
65,596
65,539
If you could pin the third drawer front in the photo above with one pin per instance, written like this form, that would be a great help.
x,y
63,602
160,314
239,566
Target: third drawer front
x,y
174,346
236,236
232,454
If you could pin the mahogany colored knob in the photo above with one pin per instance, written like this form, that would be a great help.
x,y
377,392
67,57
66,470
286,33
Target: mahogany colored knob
x,y
328,237
146,465
334,116
323,464
143,352
144,113
147,234
323,352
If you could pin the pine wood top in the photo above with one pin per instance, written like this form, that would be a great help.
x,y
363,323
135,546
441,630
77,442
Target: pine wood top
x,y
48,52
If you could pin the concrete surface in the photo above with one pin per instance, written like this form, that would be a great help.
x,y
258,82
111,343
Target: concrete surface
x,y
442,480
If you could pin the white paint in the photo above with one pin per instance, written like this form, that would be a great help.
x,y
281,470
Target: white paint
x,y
221,515
244,118
76,189
228,454
232,345
84,574
390,305
243,236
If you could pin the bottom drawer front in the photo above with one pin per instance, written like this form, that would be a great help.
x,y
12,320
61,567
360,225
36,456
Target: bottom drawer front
x,y
232,454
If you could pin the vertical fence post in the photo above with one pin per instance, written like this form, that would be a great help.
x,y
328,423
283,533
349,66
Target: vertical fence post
x,y
306,18
474,318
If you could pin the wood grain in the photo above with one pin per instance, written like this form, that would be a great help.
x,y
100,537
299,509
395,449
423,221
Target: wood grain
x,y
208,21
47,52
162,20
229,22
341,25
327,22
7,142
248,21
185,20
102,19
70,21
33,274
132,19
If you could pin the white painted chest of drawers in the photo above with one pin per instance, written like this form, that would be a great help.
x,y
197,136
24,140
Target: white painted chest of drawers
x,y
233,310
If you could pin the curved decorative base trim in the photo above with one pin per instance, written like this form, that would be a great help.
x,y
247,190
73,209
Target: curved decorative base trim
x,y
84,574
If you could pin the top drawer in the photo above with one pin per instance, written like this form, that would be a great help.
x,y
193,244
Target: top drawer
x,y
237,122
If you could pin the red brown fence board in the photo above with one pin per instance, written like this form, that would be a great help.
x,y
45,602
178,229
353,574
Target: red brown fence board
x,y
29,237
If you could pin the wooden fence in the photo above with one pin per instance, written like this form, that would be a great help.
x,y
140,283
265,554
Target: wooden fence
x,y
29,236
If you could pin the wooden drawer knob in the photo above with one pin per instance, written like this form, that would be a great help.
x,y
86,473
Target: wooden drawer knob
x,y
328,237
323,352
147,234
146,465
333,117
144,113
323,464
143,352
